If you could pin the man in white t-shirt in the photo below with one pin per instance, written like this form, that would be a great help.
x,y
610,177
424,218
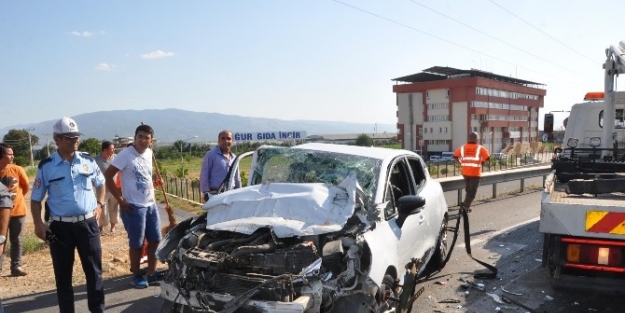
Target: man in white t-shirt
x,y
138,208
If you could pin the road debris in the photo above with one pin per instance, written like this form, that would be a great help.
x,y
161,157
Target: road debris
x,y
495,297
449,301
509,300
510,292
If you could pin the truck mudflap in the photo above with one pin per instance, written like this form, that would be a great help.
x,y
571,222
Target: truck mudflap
x,y
603,285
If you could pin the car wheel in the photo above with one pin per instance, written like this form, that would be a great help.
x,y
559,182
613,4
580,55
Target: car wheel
x,y
440,254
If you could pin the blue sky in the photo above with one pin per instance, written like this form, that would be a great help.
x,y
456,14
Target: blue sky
x,y
314,59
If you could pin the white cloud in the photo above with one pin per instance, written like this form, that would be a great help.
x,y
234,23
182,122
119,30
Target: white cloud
x,y
157,55
104,67
81,33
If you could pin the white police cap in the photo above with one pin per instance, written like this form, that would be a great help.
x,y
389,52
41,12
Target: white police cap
x,y
66,126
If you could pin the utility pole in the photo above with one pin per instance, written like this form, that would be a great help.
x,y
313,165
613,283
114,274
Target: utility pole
x,y
30,147
47,142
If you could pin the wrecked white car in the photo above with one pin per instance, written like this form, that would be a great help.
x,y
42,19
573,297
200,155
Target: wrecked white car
x,y
318,228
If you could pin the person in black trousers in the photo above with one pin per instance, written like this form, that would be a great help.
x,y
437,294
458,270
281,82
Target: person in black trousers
x,y
69,177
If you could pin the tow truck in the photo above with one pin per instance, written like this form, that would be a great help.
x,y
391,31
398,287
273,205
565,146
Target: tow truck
x,y
582,216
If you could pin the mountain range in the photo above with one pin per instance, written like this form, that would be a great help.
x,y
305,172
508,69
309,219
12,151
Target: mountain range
x,y
174,124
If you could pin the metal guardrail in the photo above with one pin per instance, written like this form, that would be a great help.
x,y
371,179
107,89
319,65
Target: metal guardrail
x,y
494,178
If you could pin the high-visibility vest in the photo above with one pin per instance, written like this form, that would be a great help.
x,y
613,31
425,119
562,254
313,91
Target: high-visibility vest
x,y
471,164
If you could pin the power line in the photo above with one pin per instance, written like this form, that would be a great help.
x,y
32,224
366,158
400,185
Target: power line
x,y
434,36
447,41
495,38
542,32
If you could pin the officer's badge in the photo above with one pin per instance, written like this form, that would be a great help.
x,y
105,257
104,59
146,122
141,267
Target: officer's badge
x,y
85,168
37,183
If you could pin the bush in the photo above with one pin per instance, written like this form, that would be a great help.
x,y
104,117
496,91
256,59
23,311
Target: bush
x,y
444,171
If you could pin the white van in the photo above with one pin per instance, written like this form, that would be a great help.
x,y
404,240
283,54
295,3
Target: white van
x,y
447,156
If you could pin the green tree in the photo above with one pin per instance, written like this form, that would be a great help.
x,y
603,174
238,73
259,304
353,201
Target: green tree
x,y
91,145
364,140
19,140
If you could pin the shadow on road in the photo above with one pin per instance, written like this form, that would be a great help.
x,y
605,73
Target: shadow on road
x,y
120,297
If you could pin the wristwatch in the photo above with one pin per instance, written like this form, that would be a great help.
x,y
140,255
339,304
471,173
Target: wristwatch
x,y
3,239
101,204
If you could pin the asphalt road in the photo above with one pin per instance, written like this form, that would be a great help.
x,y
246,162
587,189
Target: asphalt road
x,y
503,232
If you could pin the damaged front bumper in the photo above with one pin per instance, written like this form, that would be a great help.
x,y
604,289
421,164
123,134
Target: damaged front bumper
x,y
199,300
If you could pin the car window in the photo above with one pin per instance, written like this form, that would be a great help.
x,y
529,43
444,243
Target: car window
x,y
418,173
295,165
399,184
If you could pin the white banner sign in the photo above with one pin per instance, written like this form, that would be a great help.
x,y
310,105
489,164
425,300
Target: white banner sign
x,y
270,136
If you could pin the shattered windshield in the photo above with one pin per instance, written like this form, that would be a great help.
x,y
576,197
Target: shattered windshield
x,y
288,165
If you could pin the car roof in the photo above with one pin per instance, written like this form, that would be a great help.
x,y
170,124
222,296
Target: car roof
x,y
371,152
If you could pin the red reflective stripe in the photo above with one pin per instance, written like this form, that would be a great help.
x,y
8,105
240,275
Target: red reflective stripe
x,y
598,242
595,267
608,222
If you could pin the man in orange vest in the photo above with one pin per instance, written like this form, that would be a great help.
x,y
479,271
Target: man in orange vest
x,y
471,156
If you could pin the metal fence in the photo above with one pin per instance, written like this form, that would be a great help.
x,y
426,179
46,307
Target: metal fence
x,y
451,168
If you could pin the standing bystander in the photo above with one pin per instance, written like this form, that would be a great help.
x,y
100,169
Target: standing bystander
x,y
68,178
471,157
139,211
5,207
110,211
15,179
216,164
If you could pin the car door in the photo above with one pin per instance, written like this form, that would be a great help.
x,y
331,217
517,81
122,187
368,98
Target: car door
x,y
243,163
411,240
433,212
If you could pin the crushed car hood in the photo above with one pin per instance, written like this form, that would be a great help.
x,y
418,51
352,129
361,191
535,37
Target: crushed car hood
x,y
289,209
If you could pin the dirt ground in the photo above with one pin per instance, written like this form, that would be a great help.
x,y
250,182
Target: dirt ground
x,y
38,264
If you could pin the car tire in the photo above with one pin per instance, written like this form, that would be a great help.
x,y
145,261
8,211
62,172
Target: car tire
x,y
440,254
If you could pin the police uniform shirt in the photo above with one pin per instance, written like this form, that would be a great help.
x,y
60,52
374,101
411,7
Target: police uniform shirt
x,y
69,185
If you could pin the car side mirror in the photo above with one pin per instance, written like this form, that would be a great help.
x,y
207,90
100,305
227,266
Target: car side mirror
x,y
410,204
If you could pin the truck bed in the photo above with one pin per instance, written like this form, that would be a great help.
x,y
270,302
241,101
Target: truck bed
x,y
575,215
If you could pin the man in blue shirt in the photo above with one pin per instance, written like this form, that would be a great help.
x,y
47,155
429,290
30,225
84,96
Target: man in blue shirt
x,y
216,165
68,177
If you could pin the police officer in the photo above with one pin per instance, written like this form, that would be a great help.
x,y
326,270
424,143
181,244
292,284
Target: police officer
x,y
471,157
69,177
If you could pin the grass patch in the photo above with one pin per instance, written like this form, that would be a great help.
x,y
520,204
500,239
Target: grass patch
x,y
31,244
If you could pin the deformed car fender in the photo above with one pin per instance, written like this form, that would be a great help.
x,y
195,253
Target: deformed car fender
x,y
382,242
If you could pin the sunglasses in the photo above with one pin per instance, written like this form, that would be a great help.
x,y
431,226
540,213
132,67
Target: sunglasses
x,y
70,137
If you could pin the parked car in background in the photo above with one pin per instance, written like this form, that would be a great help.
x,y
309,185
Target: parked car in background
x,y
447,156
499,156
435,159
318,228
